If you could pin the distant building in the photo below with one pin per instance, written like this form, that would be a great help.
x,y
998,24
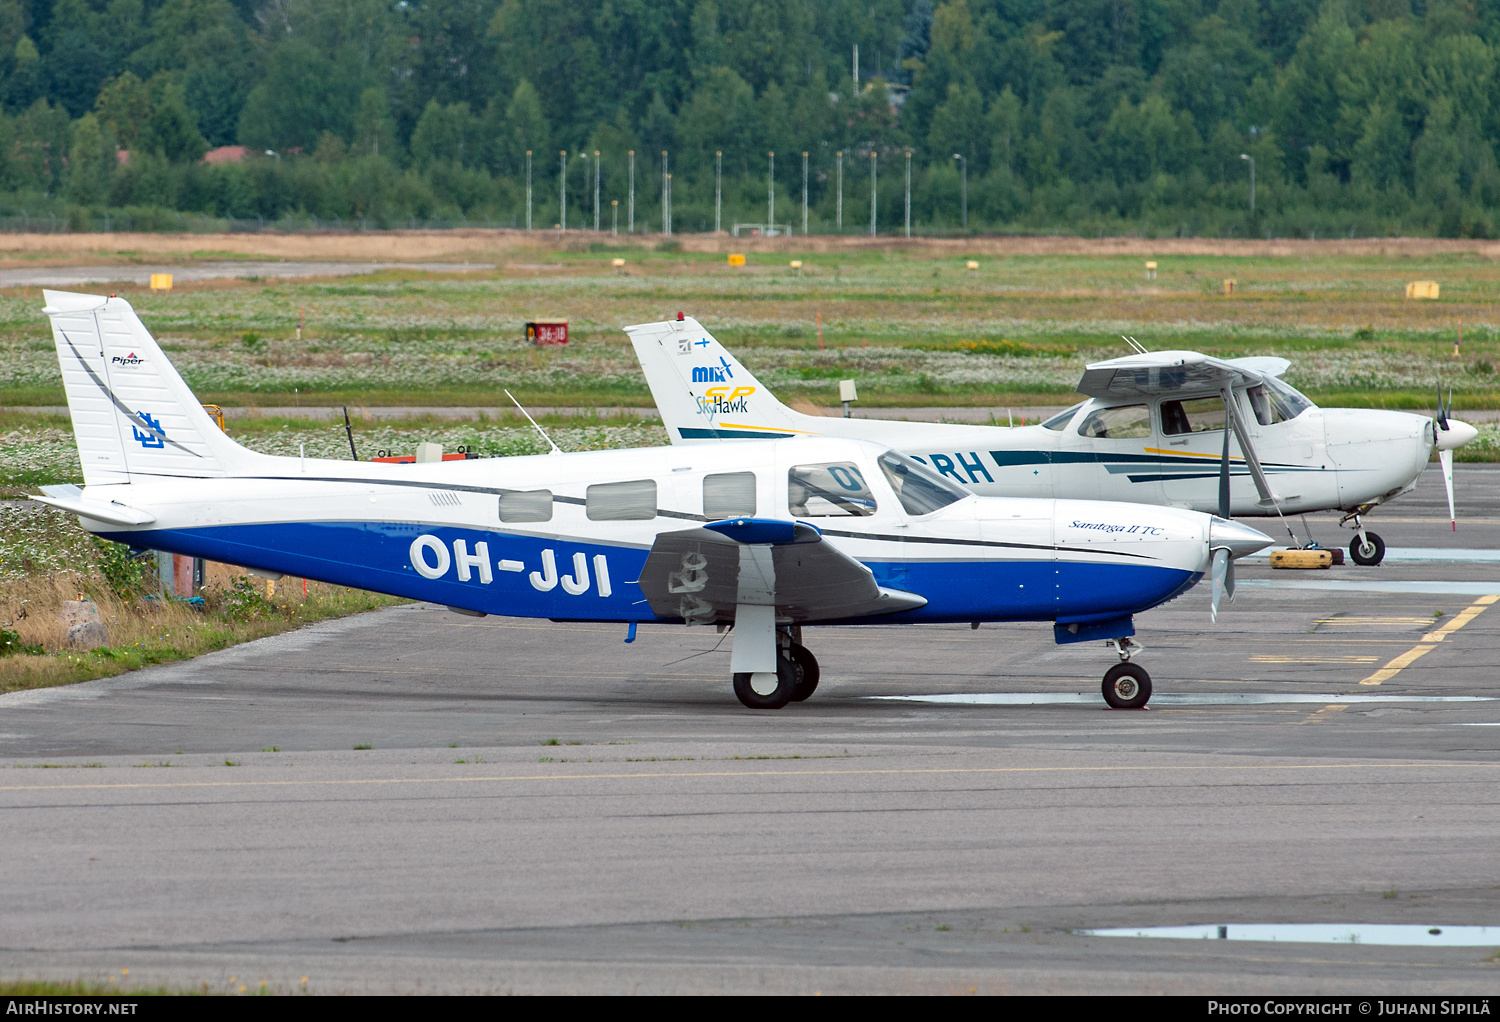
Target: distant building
x,y
226,154
123,155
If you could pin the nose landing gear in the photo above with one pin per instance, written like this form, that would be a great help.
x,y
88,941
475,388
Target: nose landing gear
x,y
1366,548
1127,686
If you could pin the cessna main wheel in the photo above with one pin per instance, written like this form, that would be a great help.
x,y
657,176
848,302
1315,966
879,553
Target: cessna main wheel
x,y
1369,553
807,672
1127,687
767,691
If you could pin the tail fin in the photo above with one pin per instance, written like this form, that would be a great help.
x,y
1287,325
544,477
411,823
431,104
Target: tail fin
x,y
132,414
704,393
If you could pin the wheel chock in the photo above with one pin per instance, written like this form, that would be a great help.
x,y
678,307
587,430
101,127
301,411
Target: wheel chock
x,y
1301,558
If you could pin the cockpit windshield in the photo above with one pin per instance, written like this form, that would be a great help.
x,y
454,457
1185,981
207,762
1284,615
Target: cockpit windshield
x,y
920,490
1059,422
1275,401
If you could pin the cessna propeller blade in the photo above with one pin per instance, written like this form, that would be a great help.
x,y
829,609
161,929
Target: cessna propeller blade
x,y
1449,434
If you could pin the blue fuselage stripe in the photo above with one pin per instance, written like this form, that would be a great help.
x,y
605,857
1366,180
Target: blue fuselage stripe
x,y
378,556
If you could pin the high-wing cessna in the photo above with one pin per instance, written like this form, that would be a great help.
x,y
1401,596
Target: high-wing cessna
x,y
1152,430
768,537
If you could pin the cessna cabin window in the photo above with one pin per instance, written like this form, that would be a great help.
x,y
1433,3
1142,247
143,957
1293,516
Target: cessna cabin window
x,y
1274,402
726,494
1201,415
526,506
1124,422
1059,422
634,501
920,490
834,490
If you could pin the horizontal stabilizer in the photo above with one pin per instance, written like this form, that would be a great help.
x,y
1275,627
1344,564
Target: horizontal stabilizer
x,y
701,576
112,513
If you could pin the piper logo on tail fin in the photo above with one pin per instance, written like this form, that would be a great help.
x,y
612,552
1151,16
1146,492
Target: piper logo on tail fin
x,y
131,359
151,441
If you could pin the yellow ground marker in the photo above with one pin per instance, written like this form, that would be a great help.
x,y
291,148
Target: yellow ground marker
x,y
1317,715
1437,635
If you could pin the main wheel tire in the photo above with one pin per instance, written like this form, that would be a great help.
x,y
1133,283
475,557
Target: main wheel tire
x,y
807,672
1127,687
1367,555
786,686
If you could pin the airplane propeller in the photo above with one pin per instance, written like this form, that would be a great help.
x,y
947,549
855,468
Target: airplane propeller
x,y
1449,434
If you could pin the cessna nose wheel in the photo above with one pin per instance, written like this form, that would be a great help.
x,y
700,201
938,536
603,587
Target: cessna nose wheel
x,y
1367,550
1127,686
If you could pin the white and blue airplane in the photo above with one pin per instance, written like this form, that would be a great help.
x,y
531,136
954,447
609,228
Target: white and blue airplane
x,y
1151,430
767,537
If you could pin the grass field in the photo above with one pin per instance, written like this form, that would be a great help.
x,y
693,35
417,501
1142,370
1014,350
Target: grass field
x,y
914,327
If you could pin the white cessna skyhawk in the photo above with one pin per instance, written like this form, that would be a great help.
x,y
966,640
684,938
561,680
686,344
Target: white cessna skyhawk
x,y
768,537
1152,431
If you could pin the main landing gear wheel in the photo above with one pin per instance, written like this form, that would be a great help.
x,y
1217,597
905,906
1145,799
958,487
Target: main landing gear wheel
x,y
807,672
767,691
1369,553
1127,687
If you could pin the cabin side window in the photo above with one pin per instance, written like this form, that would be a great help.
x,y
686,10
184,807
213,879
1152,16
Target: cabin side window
x,y
833,490
526,506
920,490
1123,422
634,501
727,494
1201,415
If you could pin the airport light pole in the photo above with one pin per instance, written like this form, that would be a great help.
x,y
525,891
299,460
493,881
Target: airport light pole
x,y
563,199
614,212
666,214
528,189
771,194
804,194
839,202
718,191
630,221
583,201
963,190
596,189
1247,156
872,193
908,193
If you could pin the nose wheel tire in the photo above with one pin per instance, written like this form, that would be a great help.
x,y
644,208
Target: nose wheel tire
x,y
767,691
807,672
1369,553
1127,687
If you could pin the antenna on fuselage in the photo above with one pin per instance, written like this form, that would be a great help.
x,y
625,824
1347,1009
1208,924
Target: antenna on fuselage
x,y
555,448
1136,346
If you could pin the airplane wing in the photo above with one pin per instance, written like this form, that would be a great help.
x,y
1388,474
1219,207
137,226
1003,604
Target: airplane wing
x,y
1265,365
1167,372
702,575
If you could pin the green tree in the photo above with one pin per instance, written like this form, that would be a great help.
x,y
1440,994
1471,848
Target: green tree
x,y
374,128
91,163
445,134
172,128
124,107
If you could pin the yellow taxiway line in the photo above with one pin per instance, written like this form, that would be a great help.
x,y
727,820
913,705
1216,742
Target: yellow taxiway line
x,y
1433,637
